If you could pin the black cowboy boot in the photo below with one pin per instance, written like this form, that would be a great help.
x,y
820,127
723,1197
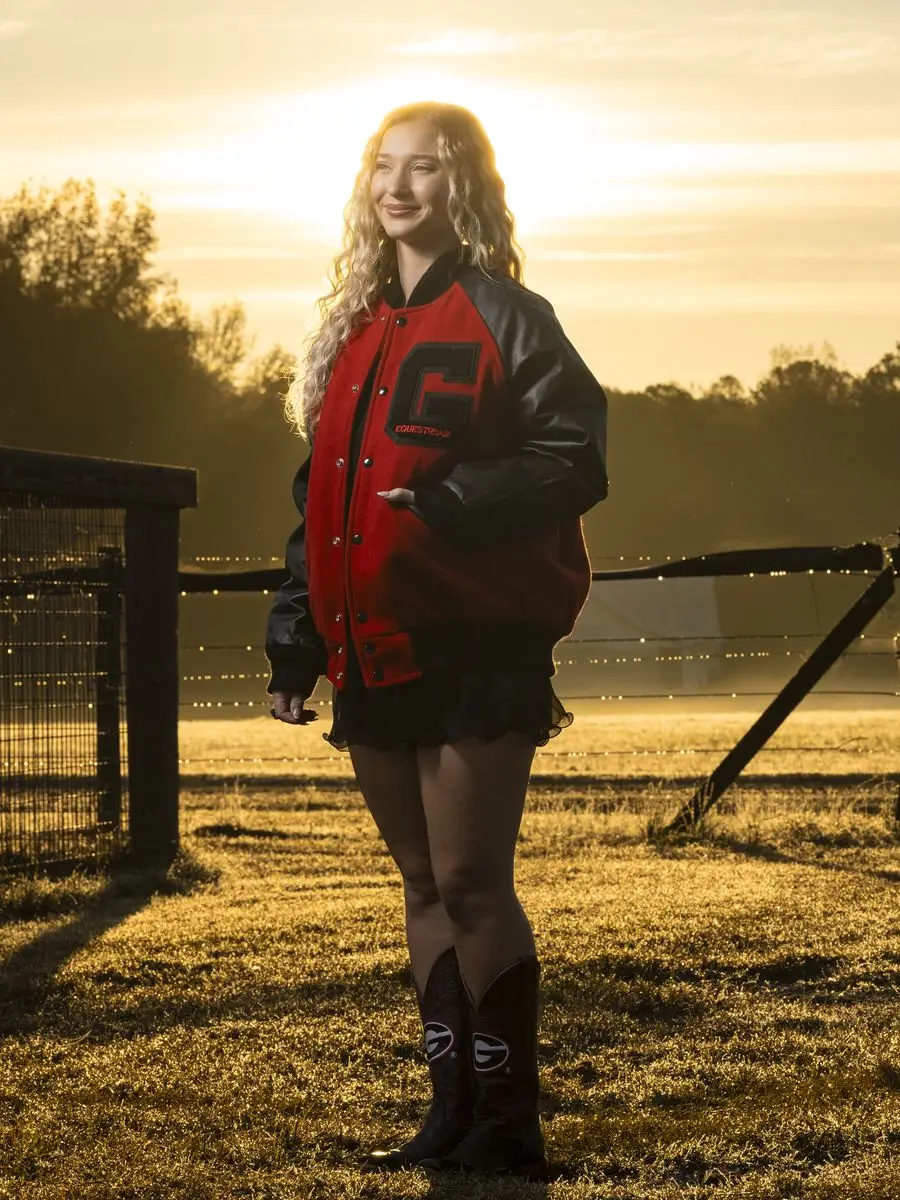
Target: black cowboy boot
x,y
444,1009
506,1130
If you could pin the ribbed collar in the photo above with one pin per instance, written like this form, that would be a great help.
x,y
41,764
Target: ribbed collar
x,y
435,281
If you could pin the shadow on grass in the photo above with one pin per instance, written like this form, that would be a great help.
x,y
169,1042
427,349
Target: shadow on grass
x,y
772,854
206,781
673,844
155,995
27,975
345,1152
227,829
671,993
202,782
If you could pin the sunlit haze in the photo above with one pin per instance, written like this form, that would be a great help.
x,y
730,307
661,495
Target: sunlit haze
x,y
692,186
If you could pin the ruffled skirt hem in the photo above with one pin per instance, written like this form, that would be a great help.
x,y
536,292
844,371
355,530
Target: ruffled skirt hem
x,y
446,706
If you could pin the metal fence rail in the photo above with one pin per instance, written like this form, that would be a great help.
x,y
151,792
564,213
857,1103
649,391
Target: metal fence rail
x,y
860,560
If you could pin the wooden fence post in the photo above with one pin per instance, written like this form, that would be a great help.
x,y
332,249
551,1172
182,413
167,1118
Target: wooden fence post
x,y
151,688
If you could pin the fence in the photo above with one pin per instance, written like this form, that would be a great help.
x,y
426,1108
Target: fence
x,y
88,670
89,674
861,560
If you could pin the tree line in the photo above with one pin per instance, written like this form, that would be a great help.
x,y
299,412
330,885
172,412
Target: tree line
x,y
102,357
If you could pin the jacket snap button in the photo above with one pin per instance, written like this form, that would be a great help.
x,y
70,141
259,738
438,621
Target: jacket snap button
x,y
361,616
338,462
382,391
337,616
340,649
401,320
367,462
340,675
355,388
357,537
335,541
368,647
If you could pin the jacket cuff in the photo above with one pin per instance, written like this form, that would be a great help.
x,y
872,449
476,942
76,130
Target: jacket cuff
x,y
440,507
291,670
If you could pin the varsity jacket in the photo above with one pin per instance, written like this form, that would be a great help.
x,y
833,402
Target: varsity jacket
x,y
470,395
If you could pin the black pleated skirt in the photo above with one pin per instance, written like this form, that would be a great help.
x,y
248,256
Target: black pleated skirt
x,y
444,706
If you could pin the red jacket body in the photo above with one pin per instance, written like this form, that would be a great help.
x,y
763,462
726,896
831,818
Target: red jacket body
x,y
470,395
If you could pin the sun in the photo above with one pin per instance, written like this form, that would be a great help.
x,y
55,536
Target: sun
x,y
298,154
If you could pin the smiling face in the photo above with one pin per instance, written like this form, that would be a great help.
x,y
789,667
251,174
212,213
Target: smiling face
x,y
408,178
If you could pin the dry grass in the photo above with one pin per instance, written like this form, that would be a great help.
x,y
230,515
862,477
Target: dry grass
x,y
719,1011
607,740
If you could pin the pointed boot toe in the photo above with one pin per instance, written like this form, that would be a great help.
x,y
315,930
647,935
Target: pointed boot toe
x,y
444,1009
505,1136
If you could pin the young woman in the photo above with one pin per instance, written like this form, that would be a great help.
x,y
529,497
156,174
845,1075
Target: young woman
x,y
456,437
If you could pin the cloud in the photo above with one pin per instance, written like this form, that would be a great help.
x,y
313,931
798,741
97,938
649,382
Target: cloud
x,y
578,255
465,42
23,16
768,43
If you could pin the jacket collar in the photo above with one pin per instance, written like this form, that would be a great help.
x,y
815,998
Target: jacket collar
x,y
434,282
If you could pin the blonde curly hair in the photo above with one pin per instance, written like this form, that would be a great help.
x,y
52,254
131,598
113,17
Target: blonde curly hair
x,y
478,212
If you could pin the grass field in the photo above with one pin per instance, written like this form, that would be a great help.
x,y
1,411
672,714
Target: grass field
x,y
720,1011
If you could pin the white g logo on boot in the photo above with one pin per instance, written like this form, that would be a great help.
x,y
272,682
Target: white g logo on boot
x,y
438,1040
488,1052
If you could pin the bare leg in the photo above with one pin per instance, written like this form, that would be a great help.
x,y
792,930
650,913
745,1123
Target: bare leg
x,y
389,782
473,794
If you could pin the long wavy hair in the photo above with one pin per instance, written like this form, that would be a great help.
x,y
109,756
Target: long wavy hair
x,y
476,207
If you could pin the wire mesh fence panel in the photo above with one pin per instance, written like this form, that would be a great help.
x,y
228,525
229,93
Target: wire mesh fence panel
x,y
63,750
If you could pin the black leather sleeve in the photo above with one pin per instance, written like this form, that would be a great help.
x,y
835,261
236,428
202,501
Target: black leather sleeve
x,y
559,470
294,647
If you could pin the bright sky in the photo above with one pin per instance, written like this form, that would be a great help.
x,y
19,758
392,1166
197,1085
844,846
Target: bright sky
x,y
693,184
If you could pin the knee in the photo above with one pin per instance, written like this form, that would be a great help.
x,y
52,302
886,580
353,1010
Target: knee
x,y
467,898
419,887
